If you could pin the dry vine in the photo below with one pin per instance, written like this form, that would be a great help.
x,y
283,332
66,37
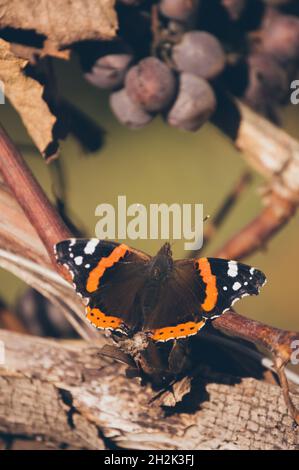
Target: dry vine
x,y
37,268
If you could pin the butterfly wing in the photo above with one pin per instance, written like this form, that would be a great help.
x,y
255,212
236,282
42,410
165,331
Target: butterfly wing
x,y
200,290
177,313
224,282
108,276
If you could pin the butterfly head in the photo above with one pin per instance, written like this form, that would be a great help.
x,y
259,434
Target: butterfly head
x,y
161,264
165,250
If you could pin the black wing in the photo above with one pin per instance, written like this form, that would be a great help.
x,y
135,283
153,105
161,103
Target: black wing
x,y
199,290
224,282
108,276
177,313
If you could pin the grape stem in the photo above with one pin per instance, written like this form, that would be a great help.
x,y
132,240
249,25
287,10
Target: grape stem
x,y
162,39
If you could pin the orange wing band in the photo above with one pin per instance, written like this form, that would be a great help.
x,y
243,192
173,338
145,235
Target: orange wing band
x,y
210,281
102,321
95,275
175,332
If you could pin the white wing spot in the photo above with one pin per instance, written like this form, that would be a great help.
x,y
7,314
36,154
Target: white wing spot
x,y
91,246
71,255
87,266
252,270
245,283
78,260
237,286
232,268
224,287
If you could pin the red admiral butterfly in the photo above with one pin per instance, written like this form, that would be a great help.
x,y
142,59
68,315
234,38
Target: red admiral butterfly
x,y
127,290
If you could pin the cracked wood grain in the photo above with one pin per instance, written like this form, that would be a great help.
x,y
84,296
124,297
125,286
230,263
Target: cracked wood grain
x,y
69,394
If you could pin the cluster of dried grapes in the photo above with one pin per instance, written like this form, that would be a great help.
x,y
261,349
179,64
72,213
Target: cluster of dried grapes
x,y
172,55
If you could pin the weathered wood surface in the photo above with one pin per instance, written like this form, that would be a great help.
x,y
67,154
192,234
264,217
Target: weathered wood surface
x,y
68,394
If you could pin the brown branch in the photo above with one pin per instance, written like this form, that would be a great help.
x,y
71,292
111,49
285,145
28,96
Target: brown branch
x,y
224,210
23,254
229,202
260,230
277,341
273,339
266,147
30,196
275,155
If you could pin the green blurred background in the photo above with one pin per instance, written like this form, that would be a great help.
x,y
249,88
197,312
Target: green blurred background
x,y
159,164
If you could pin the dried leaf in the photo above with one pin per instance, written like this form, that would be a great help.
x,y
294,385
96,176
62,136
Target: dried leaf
x,y
26,96
62,23
178,390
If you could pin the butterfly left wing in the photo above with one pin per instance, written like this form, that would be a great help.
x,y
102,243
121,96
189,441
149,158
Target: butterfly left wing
x,y
108,276
200,290
224,282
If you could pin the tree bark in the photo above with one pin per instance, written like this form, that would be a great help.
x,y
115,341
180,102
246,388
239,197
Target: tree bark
x,y
67,393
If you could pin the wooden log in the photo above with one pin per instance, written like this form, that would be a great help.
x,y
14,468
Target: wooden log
x,y
69,394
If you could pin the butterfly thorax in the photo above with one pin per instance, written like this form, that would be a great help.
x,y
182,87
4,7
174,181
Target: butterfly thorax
x,y
161,265
159,270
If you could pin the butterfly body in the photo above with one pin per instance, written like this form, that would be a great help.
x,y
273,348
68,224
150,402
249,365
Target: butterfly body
x,y
129,291
158,272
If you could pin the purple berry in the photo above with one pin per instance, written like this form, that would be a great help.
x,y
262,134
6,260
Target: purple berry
x,y
179,10
199,53
280,37
151,84
194,105
127,111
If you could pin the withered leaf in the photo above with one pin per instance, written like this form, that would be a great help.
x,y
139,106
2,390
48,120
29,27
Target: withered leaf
x,y
62,23
174,396
26,96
